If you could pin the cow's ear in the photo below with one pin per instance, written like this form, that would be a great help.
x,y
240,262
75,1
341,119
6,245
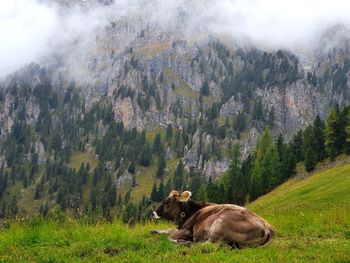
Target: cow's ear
x,y
185,196
174,193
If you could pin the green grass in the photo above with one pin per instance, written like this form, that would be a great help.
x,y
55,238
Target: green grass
x,y
82,157
316,207
151,134
145,179
185,90
311,217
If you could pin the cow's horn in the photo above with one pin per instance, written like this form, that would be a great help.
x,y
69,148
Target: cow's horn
x,y
185,196
174,193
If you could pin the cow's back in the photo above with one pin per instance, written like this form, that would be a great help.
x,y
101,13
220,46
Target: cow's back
x,y
231,224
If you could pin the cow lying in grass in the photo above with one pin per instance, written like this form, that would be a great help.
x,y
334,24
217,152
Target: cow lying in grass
x,y
199,221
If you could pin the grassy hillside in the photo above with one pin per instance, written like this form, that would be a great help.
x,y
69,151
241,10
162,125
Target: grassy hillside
x,y
311,217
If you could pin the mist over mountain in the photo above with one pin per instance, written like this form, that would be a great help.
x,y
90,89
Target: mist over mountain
x,y
266,24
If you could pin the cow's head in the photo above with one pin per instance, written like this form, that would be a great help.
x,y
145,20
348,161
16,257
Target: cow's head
x,y
170,209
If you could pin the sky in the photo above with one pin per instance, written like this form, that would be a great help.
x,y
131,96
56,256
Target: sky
x,y
30,29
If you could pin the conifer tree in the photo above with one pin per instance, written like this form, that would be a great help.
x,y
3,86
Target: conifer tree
x,y
347,132
331,133
195,182
297,143
157,144
160,193
205,91
212,190
93,199
132,168
129,214
169,132
265,168
310,160
233,178
179,176
309,148
146,156
154,193
202,194
221,196
161,166
319,129
167,188
271,118
119,201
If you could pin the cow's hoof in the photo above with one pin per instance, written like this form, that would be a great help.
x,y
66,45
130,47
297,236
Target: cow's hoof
x,y
182,242
154,231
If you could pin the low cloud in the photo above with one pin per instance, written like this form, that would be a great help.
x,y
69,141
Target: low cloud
x,y
30,29
25,29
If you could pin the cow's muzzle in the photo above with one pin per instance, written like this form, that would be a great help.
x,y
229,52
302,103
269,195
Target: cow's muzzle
x,y
155,215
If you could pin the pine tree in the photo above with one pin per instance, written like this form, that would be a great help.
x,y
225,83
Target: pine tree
x,y
169,132
167,188
146,156
157,144
331,133
347,131
240,124
132,168
127,197
133,182
233,178
129,214
212,191
3,210
179,176
202,194
310,160
271,118
265,167
269,174
258,112
111,195
342,134
161,166
119,201
246,170
309,148
195,182
297,146
13,206
160,193
319,129
221,197
205,91
93,199
154,193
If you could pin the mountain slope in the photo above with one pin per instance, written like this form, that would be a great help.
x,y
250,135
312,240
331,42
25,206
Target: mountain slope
x,y
317,207
311,217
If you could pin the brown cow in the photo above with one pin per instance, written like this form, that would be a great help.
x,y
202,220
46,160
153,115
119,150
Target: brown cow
x,y
199,221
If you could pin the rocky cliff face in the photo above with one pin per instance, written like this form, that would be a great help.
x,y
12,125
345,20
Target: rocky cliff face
x,y
155,77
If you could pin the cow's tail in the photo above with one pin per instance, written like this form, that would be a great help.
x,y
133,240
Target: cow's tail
x,y
269,237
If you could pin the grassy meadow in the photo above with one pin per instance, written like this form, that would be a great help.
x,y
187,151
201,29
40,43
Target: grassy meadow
x,y
311,217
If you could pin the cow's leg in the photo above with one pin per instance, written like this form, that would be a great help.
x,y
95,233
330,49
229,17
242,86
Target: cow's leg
x,y
181,236
169,231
